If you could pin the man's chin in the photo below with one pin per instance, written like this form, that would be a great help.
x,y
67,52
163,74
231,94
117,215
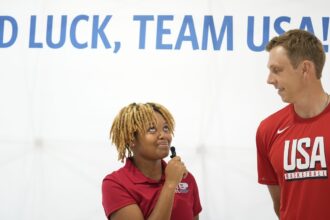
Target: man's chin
x,y
284,99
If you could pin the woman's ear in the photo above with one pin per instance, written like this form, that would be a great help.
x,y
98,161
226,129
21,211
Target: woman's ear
x,y
132,143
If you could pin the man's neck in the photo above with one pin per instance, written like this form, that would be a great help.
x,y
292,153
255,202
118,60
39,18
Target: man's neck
x,y
312,103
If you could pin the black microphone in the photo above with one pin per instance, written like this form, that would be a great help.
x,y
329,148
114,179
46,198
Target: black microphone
x,y
173,153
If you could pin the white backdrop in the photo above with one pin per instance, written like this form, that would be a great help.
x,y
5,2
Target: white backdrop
x,y
57,104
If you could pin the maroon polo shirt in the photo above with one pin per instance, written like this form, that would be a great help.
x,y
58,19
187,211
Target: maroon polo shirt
x,y
129,186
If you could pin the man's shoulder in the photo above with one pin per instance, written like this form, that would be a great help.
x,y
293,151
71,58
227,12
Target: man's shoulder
x,y
276,120
279,115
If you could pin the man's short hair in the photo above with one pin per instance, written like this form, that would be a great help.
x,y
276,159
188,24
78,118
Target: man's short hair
x,y
301,45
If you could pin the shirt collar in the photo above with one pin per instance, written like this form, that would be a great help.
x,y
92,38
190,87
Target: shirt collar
x,y
137,176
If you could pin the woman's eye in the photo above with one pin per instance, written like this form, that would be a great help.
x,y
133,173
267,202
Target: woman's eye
x,y
152,129
166,128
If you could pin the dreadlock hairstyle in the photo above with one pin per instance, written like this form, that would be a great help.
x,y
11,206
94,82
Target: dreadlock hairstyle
x,y
136,119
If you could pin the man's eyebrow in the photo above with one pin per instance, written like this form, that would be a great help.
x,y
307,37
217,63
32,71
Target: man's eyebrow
x,y
272,66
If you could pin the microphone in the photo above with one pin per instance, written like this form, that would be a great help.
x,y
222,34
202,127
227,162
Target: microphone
x,y
173,153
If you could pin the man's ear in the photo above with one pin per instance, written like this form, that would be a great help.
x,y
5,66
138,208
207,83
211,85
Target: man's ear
x,y
308,68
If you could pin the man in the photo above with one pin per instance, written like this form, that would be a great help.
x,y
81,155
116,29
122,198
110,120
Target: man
x,y
293,144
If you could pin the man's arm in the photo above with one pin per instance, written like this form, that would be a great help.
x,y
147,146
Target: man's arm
x,y
275,193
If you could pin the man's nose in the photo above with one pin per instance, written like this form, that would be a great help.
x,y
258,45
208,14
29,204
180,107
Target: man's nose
x,y
270,79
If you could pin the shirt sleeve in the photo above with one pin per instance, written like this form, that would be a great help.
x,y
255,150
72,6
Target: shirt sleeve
x,y
266,173
114,196
197,208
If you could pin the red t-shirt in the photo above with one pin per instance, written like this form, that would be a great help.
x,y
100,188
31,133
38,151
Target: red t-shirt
x,y
129,186
294,153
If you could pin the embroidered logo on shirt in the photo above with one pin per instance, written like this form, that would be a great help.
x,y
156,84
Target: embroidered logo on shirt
x,y
182,188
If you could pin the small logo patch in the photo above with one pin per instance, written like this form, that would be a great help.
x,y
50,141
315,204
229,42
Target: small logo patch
x,y
182,188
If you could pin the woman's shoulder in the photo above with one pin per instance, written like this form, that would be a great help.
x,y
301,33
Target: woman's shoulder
x,y
115,175
189,179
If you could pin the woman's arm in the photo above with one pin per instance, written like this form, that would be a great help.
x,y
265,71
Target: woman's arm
x,y
174,172
128,212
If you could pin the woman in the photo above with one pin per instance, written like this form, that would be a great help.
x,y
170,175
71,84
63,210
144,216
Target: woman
x,y
146,187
